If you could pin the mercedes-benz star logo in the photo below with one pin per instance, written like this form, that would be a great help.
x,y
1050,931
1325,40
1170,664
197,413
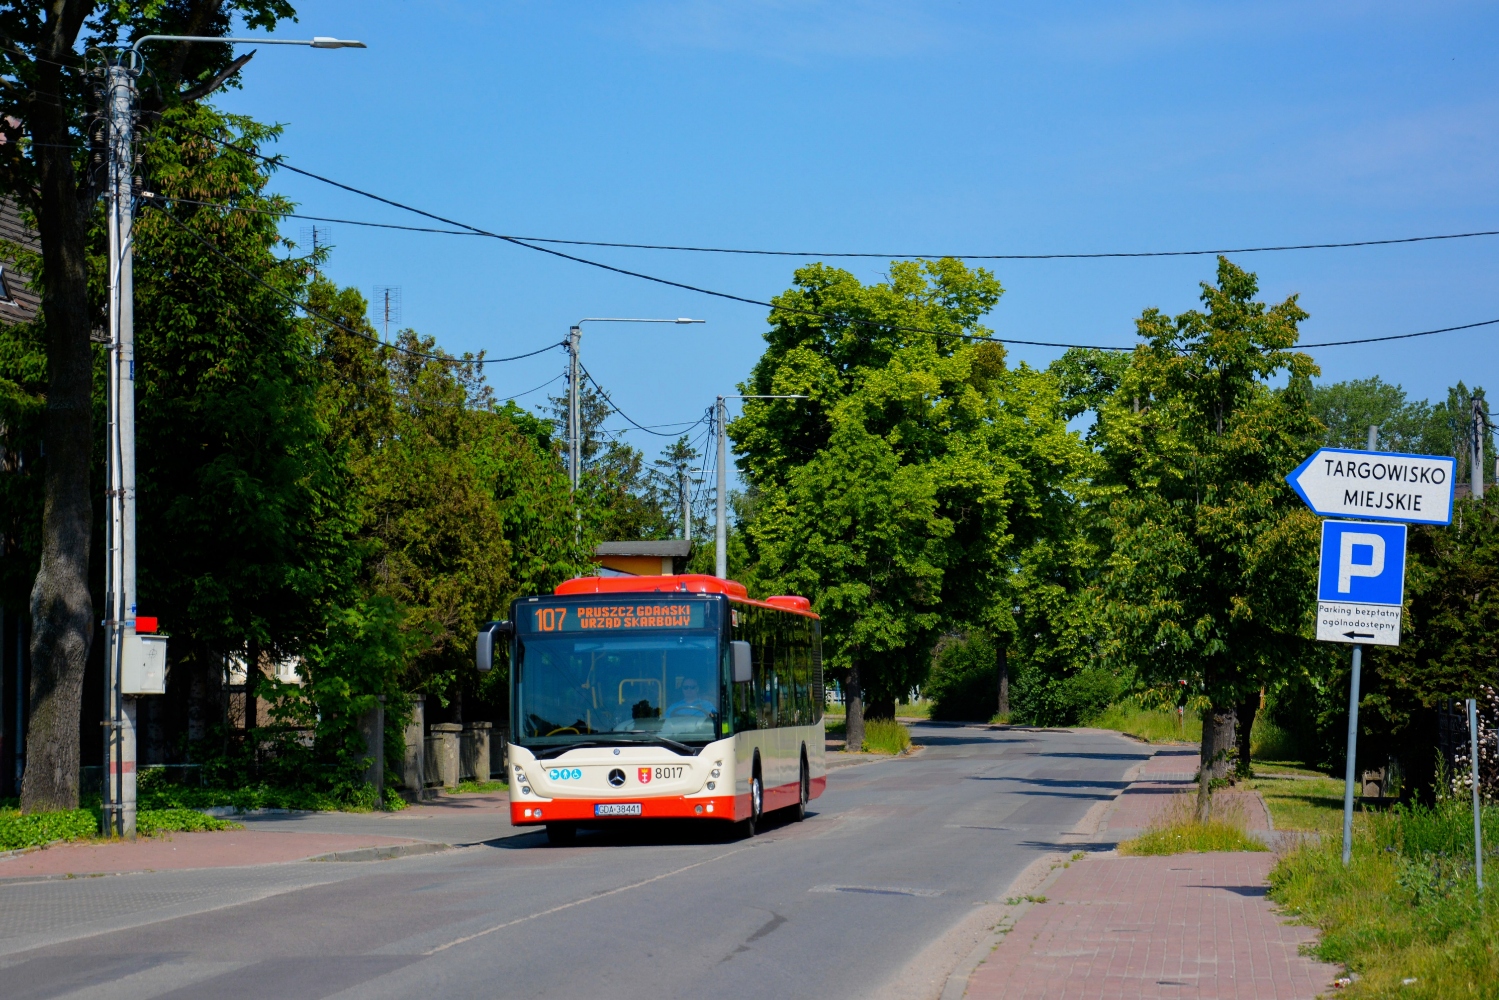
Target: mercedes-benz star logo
x,y
616,777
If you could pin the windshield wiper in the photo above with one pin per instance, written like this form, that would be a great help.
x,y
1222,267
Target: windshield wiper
x,y
684,749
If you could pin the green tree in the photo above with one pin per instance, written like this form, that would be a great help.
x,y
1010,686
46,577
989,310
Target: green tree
x,y
1213,556
44,86
1348,409
897,495
244,510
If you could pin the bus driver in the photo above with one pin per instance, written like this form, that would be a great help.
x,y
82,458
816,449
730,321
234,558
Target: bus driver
x,y
691,705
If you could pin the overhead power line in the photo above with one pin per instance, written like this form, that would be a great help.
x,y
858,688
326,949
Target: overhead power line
x,y
292,300
687,248
837,317
638,426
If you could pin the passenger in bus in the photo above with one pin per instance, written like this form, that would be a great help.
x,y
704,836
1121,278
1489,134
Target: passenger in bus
x,y
691,705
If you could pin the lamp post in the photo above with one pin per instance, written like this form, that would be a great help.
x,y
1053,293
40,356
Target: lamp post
x,y
721,526
118,786
574,421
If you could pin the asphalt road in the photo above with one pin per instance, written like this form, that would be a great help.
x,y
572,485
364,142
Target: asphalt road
x,y
895,854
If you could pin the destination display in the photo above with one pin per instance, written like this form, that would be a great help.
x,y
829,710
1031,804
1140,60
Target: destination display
x,y
634,615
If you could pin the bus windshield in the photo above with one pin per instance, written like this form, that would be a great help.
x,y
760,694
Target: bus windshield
x,y
643,687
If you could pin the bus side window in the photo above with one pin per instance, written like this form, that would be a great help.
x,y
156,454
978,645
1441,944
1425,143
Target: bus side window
x,y
768,664
819,693
804,712
746,696
787,713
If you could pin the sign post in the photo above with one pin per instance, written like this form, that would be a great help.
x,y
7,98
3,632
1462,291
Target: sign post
x,y
1361,581
1360,589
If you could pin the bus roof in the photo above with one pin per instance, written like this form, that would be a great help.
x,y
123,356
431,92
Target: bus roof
x,y
692,583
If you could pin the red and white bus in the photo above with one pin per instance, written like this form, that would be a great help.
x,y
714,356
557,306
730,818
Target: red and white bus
x,y
661,697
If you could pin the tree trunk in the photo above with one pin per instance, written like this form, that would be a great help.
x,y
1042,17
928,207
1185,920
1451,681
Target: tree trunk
x,y
1004,684
1217,743
853,702
62,610
1248,708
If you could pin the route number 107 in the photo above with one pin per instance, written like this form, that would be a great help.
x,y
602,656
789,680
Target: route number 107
x,y
550,619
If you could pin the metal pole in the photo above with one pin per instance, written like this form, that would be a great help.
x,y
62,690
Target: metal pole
x,y
574,339
686,507
1373,437
1477,808
1358,663
721,526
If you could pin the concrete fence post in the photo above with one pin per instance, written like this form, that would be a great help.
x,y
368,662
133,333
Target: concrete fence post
x,y
372,728
476,751
445,742
414,767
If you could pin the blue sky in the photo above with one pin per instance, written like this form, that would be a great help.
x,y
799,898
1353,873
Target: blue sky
x,y
905,128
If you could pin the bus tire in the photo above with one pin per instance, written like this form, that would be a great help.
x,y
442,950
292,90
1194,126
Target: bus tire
x,y
757,801
804,792
561,834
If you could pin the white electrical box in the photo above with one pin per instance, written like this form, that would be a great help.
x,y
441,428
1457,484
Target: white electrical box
x,y
144,670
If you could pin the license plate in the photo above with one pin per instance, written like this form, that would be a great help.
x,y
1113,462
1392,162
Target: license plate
x,y
617,809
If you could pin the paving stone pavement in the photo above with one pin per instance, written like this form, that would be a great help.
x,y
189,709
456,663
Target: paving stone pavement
x,y
1190,925
1186,925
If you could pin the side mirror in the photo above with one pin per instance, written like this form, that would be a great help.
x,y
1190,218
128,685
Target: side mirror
x,y
484,643
743,672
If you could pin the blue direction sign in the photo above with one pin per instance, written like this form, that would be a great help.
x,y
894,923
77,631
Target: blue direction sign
x,y
1361,583
1383,486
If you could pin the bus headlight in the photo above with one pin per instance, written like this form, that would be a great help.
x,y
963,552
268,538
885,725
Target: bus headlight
x,y
712,785
525,790
713,773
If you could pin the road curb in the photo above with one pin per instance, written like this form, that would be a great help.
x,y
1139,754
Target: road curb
x,y
389,853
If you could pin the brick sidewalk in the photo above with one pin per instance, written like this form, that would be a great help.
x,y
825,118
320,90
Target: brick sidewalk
x,y
218,849
1189,925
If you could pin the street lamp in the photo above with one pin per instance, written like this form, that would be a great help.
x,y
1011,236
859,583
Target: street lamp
x,y
122,643
574,340
721,527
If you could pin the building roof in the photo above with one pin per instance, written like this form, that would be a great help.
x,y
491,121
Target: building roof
x,y
672,548
18,303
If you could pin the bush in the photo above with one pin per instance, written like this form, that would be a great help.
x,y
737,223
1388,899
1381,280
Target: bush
x,y
1087,694
886,736
149,822
964,683
21,830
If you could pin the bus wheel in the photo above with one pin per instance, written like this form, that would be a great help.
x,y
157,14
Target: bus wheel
x,y
561,834
757,805
804,794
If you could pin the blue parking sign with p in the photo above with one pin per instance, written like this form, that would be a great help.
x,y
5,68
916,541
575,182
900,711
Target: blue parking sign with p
x,y
1362,563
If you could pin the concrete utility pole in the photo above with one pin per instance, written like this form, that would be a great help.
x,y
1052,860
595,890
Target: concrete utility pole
x,y
1480,422
721,525
686,506
118,787
574,338
121,647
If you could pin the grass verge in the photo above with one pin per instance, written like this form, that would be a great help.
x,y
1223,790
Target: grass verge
x,y
1405,916
886,736
479,787
1191,837
1154,725
1302,803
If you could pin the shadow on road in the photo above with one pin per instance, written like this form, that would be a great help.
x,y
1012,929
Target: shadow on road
x,y
648,833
